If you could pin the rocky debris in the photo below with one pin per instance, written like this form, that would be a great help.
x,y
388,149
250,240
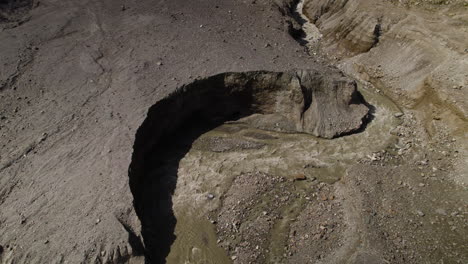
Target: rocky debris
x,y
238,236
411,230
254,228
317,230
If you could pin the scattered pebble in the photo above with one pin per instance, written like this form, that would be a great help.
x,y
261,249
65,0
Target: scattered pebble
x,y
420,213
196,251
210,196
441,211
43,137
299,177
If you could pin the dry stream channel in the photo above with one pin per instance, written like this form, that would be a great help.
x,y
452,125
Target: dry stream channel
x,y
233,185
207,171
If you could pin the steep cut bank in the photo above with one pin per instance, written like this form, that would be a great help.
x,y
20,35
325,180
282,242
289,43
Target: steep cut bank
x,y
325,104
412,51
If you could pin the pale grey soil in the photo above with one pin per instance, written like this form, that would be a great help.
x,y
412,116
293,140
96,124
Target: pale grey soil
x,y
77,79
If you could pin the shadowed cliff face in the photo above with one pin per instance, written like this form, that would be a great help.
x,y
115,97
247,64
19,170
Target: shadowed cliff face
x,y
11,10
322,104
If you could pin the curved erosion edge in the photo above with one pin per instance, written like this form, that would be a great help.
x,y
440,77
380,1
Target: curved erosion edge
x,y
325,104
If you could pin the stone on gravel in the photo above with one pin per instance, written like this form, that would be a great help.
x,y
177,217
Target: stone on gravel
x,y
441,211
299,177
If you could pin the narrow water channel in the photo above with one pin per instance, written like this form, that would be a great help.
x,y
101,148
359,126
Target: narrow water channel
x,y
206,171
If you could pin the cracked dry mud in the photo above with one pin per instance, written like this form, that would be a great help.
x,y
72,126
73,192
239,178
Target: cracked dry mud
x,y
281,131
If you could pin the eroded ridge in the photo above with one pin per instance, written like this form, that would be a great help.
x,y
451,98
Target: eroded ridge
x,y
324,104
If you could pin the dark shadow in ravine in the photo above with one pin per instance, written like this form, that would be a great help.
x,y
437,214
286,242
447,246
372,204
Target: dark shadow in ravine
x,y
358,98
162,141
11,9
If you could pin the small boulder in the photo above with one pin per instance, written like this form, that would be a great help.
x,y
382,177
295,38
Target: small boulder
x,y
299,177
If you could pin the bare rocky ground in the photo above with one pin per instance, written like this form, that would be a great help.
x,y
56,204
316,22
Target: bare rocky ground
x,y
77,79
